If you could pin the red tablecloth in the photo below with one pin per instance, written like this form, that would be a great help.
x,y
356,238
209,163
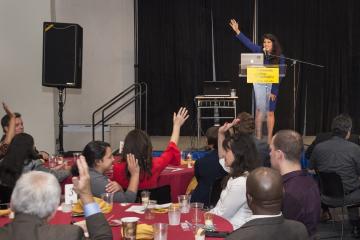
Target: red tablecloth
x,y
174,232
177,179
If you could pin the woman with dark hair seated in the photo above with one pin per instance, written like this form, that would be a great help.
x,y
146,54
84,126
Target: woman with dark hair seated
x,y
137,142
99,158
241,157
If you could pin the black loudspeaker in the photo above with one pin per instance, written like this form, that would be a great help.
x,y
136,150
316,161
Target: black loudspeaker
x,y
62,55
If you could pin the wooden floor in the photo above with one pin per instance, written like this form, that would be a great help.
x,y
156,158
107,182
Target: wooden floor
x,y
191,142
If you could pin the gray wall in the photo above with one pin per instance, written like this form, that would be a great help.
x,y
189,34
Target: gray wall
x,y
20,67
108,60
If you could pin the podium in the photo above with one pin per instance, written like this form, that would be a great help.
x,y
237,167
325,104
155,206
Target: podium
x,y
262,75
282,71
256,73
214,102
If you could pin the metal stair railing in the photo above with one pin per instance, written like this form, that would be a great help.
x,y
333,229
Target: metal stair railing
x,y
139,96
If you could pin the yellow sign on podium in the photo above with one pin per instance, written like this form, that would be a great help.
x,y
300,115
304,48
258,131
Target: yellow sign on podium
x,y
262,74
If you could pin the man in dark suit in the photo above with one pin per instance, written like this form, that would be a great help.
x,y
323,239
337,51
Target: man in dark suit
x,y
264,192
35,199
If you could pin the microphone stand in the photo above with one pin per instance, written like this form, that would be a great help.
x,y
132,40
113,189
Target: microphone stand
x,y
294,62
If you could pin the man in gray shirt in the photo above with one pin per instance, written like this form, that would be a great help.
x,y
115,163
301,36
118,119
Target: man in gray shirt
x,y
343,157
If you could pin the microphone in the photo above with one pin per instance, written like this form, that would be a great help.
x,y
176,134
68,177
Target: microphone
x,y
265,52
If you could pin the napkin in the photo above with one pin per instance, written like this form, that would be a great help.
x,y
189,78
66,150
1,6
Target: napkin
x,y
140,209
159,210
185,162
5,212
104,206
163,208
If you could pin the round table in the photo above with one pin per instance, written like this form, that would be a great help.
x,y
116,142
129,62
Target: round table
x,y
174,232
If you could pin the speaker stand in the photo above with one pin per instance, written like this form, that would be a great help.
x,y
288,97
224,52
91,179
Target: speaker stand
x,y
61,122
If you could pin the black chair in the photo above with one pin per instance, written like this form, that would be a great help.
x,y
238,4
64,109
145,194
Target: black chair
x,y
161,194
215,192
333,194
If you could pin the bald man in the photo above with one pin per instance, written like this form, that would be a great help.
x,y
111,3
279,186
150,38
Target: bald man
x,y
264,193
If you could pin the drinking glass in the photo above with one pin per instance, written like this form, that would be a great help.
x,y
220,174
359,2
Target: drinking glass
x,y
129,228
109,199
184,203
160,231
197,208
145,197
76,156
174,215
151,205
52,161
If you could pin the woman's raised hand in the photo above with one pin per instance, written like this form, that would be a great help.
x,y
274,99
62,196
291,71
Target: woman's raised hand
x,y
227,126
234,25
180,117
132,164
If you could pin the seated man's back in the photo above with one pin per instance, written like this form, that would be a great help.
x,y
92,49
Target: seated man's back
x,y
270,228
301,199
340,156
301,193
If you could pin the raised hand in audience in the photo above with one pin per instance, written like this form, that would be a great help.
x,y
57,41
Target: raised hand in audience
x,y
10,131
44,155
178,120
221,135
82,182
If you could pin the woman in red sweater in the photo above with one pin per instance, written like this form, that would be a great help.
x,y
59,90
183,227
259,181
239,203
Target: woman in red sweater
x,y
137,142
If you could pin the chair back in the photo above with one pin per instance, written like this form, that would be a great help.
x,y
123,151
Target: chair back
x,y
331,185
160,194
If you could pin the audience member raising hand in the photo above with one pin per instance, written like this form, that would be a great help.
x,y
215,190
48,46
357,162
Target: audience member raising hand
x,y
99,158
138,143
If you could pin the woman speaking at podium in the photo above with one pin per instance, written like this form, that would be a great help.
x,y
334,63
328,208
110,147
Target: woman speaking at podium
x,y
265,94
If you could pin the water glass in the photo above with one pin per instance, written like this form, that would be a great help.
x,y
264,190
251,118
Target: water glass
x,y
174,215
197,208
59,159
76,156
129,228
184,203
145,197
208,218
52,161
151,205
109,199
160,231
